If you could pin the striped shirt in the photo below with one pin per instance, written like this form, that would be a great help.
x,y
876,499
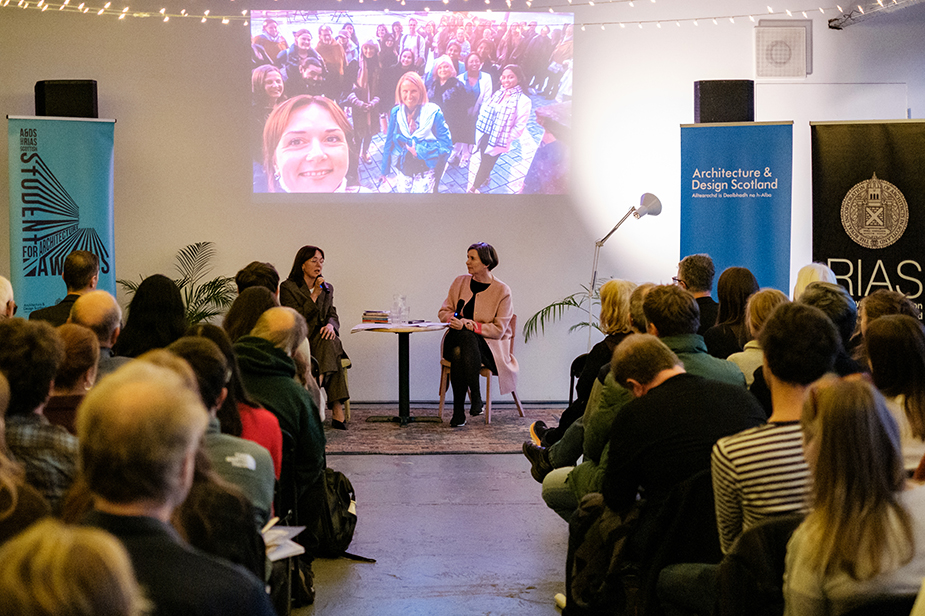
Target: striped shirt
x,y
758,473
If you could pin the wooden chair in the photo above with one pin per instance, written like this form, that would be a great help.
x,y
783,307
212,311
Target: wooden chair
x,y
445,380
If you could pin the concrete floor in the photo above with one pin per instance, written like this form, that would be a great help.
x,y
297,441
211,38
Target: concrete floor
x,y
454,535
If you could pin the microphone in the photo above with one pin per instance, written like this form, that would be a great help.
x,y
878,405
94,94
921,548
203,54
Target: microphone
x,y
322,284
459,309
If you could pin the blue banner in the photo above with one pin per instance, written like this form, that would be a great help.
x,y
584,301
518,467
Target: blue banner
x,y
61,199
736,197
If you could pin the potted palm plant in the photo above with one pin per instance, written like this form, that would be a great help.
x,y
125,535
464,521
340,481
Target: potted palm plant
x,y
204,299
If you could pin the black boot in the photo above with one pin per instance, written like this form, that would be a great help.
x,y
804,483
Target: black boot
x,y
459,418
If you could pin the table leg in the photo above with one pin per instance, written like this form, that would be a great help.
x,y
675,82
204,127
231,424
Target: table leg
x,y
404,386
404,377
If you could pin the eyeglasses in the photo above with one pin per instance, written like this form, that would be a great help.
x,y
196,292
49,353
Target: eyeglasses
x,y
679,281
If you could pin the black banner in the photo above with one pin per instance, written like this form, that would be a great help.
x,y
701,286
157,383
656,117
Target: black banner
x,y
869,205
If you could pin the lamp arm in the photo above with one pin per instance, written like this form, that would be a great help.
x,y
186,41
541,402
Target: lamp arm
x,y
597,253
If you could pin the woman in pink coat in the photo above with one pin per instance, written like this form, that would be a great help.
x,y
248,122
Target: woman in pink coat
x,y
479,310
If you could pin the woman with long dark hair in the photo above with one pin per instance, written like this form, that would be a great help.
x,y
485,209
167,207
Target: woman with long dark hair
x,y
863,539
156,317
306,291
364,100
729,335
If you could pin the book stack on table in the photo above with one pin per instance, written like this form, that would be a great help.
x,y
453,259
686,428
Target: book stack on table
x,y
376,316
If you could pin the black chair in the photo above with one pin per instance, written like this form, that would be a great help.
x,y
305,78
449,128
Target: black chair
x,y
751,576
578,364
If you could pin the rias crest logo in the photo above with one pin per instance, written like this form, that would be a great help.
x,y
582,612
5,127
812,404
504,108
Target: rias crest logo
x,y
874,213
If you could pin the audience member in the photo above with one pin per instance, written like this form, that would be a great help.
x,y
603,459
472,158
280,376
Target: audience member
x,y
139,432
268,372
895,348
615,324
75,376
761,472
58,570
759,308
879,304
219,519
20,503
674,317
637,314
729,335
864,538
239,415
258,274
812,272
156,317
668,308
834,301
666,433
240,462
695,273
80,273
246,309
7,304
100,312
30,356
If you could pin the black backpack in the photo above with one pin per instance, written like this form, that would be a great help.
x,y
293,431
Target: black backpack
x,y
339,519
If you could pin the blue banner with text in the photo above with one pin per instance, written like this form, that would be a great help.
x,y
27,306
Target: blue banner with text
x,y
736,197
61,199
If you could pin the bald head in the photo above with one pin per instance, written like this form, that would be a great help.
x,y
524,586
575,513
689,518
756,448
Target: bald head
x,y
6,298
282,326
138,429
100,312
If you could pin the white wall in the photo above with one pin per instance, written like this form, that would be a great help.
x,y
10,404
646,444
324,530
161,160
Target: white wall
x,y
182,107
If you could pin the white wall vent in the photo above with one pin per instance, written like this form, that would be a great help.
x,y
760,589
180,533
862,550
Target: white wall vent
x,y
783,48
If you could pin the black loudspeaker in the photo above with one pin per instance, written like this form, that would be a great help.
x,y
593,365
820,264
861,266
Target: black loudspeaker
x,y
67,98
731,100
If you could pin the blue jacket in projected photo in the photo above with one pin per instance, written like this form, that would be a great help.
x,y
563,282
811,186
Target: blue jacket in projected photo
x,y
430,138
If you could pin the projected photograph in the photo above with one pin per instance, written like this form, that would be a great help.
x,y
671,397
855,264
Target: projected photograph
x,y
411,102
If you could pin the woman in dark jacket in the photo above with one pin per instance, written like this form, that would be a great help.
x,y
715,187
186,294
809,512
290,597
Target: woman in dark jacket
x,y
455,100
306,291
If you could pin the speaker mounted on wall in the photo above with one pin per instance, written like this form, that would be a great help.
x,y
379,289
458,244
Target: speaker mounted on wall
x,y
784,48
724,100
66,98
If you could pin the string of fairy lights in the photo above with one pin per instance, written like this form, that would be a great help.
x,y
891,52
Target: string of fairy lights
x,y
243,17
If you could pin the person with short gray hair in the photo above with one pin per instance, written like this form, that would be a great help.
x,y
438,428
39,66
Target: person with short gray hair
x,y
100,312
139,432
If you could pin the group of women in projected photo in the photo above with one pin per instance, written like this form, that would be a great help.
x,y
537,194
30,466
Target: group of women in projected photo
x,y
466,104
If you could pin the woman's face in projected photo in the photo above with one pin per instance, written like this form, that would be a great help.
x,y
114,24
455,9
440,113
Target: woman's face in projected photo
x,y
273,85
369,50
444,71
473,63
381,30
312,155
453,51
508,79
325,35
304,42
410,94
407,58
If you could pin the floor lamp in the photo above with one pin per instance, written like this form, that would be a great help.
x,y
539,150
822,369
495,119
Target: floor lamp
x,y
648,204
